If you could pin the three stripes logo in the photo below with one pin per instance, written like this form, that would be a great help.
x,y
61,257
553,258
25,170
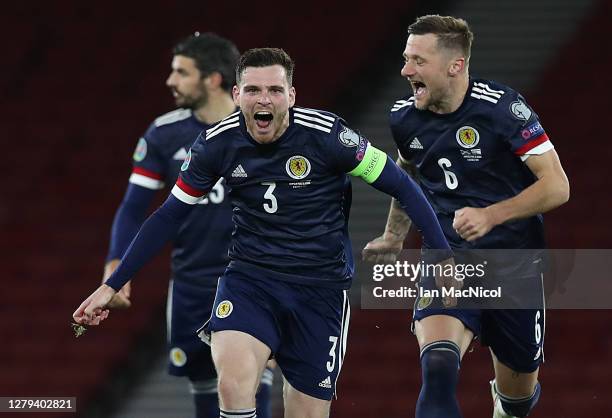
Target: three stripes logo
x,y
483,92
416,144
239,172
326,383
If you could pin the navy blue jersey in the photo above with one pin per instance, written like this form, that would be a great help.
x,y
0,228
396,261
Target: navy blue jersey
x,y
201,244
290,197
474,157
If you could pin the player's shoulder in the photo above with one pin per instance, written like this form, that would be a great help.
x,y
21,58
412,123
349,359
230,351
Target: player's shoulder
x,y
505,105
228,126
492,94
314,120
162,131
402,108
174,117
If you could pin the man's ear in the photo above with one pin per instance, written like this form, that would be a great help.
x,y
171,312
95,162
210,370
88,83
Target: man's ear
x,y
456,67
213,80
236,95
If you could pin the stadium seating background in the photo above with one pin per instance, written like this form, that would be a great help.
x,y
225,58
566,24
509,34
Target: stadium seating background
x,y
80,81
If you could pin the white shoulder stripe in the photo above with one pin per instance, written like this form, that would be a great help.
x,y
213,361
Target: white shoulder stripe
x,y
489,89
488,93
402,101
184,197
397,107
313,119
311,125
146,182
313,112
171,117
220,124
483,97
223,128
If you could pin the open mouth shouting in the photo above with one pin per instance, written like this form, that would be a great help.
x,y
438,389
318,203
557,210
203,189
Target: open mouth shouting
x,y
263,119
419,88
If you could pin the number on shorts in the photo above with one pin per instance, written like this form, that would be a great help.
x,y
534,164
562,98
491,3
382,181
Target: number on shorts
x,y
332,353
538,328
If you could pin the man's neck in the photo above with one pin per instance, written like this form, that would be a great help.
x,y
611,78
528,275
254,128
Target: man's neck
x,y
458,91
216,108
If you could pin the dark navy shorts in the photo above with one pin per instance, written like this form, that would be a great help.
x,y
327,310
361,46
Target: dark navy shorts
x,y
516,336
189,307
305,327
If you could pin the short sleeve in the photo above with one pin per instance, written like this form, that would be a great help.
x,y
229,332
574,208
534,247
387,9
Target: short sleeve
x,y
525,133
199,172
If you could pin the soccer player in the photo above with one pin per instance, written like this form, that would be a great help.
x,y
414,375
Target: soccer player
x,y
201,81
489,170
284,291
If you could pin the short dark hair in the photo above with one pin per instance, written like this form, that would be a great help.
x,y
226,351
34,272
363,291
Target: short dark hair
x,y
264,57
452,32
211,53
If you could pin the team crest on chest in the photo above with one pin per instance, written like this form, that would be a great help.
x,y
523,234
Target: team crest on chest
x,y
298,167
467,137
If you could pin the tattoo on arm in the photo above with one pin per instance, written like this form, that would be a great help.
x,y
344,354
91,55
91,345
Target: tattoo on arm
x,y
398,222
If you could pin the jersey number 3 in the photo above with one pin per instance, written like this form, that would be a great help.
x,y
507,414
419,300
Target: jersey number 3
x,y
272,205
449,177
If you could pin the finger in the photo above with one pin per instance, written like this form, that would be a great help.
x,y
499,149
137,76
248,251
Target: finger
x,y
127,289
389,258
368,255
473,235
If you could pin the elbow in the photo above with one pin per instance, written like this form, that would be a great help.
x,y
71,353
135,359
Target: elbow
x,y
562,194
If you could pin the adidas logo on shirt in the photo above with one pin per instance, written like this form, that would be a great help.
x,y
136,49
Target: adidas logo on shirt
x,y
416,144
326,383
239,171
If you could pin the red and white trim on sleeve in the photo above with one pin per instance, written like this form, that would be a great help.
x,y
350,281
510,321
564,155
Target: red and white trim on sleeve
x,y
146,178
536,146
187,194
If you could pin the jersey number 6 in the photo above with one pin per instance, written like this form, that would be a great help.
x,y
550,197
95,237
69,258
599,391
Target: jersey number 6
x,y
449,177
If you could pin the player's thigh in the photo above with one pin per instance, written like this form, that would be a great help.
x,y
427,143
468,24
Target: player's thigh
x,y
512,383
189,306
314,339
239,354
301,405
516,340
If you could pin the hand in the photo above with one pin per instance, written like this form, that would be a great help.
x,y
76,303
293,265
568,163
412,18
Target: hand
x,y
382,249
94,310
121,300
448,282
473,223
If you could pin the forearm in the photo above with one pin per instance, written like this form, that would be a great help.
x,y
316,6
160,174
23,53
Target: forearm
x,y
410,198
128,219
398,222
158,229
545,194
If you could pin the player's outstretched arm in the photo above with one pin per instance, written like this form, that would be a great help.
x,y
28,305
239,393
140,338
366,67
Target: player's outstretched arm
x,y
158,229
550,190
382,173
385,248
128,219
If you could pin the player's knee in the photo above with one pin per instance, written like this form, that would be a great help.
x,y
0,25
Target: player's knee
x,y
520,407
440,362
235,391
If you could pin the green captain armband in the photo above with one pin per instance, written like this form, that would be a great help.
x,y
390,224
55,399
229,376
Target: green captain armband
x,y
371,166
